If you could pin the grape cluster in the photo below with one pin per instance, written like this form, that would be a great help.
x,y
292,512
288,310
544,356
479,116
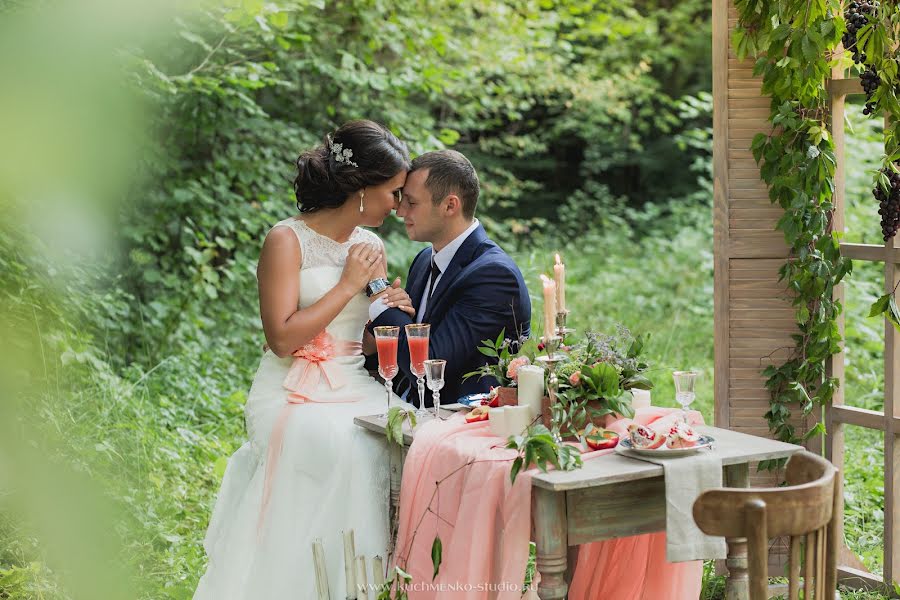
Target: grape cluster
x,y
857,16
870,82
889,204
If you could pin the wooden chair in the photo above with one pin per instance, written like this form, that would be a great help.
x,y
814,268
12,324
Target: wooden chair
x,y
809,509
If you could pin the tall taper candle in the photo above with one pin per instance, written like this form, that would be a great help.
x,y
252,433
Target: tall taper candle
x,y
549,307
559,272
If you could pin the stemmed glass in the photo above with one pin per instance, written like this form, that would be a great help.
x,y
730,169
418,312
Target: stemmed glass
x,y
417,337
386,337
434,373
684,389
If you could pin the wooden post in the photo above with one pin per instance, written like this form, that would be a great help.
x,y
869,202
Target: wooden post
x,y
720,211
834,447
891,442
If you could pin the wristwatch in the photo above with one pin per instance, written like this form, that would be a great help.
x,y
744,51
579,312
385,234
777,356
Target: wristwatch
x,y
376,285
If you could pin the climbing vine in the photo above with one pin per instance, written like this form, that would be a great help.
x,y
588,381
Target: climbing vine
x,y
796,46
795,42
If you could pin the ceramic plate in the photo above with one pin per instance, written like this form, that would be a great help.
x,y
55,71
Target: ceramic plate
x,y
625,446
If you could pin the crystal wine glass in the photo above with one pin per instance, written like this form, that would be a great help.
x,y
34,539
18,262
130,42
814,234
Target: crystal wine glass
x,y
434,373
417,337
684,389
386,338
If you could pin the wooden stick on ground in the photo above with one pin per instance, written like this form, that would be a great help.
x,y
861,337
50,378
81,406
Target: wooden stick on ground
x,y
322,591
349,564
362,583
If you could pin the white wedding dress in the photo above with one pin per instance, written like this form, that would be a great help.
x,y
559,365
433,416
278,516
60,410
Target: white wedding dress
x,y
330,475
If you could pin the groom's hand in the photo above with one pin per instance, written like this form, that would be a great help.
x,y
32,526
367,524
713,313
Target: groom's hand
x,y
396,297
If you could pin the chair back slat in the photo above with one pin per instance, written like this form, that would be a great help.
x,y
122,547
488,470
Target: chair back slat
x,y
806,511
794,569
809,559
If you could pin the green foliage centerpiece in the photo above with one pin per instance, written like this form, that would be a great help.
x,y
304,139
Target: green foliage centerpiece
x,y
587,383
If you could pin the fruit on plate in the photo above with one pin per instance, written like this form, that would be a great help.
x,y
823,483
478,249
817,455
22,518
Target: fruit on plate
x,y
602,439
493,398
479,413
645,438
682,435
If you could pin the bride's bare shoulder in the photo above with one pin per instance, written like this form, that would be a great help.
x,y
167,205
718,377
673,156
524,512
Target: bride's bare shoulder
x,y
281,243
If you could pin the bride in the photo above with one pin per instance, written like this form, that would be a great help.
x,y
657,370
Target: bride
x,y
307,471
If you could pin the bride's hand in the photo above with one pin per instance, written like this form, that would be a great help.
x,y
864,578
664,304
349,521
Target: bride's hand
x,y
363,261
396,297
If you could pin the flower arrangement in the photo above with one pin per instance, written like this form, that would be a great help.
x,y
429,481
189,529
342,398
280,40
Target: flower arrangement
x,y
593,377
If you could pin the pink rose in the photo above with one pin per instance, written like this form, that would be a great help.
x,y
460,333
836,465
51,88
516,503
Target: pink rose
x,y
575,379
512,371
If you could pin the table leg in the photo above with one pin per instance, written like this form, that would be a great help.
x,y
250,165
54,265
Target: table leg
x,y
737,585
549,532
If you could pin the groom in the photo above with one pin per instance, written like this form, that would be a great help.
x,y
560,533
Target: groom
x,y
464,285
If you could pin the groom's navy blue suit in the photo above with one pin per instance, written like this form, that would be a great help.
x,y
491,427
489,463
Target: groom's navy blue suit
x,y
481,293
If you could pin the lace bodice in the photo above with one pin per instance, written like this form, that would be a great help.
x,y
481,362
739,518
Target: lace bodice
x,y
323,262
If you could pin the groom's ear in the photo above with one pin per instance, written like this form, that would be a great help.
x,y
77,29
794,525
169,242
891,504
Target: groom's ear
x,y
452,205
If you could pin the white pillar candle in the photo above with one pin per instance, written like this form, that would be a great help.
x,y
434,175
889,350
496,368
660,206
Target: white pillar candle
x,y
549,307
640,398
497,421
517,419
531,388
559,273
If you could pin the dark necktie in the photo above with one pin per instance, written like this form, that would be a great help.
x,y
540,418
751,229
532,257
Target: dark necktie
x,y
435,271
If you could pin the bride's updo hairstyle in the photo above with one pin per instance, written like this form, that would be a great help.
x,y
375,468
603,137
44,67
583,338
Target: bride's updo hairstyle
x,y
359,154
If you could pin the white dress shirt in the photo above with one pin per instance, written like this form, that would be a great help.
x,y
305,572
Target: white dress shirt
x,y
442,259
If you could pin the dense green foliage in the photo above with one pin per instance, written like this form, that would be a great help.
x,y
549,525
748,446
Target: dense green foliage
x,y
589,124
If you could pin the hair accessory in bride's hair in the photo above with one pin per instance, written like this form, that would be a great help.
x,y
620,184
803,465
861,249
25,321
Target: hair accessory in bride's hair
x,y
341,154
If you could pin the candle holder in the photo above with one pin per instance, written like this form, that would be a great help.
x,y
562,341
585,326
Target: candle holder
x,y
551,359
551,345
561,329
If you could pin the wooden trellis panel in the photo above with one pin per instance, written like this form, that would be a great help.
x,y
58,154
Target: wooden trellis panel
x,y
754,318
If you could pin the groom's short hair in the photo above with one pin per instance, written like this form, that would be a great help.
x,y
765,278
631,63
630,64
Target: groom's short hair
x,y
449,172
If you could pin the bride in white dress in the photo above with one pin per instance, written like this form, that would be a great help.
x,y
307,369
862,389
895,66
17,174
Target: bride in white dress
x,y
307,471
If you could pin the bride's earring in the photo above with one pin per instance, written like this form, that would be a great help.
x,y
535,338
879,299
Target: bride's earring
x,y
361,196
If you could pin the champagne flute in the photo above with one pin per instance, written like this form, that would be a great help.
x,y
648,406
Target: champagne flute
x,y
417,337
434,373
386,338
684,389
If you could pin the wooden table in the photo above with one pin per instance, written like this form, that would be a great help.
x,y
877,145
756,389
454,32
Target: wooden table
x,y
596,502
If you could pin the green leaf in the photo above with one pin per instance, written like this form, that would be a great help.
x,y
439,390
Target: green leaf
x,y
880,306
893,314
516,467
436,556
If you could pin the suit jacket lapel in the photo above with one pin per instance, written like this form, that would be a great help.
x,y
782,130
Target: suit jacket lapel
x,y
463,257
418,279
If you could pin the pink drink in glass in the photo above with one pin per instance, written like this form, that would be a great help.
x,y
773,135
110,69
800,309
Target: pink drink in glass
x,y
418,353
387,355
